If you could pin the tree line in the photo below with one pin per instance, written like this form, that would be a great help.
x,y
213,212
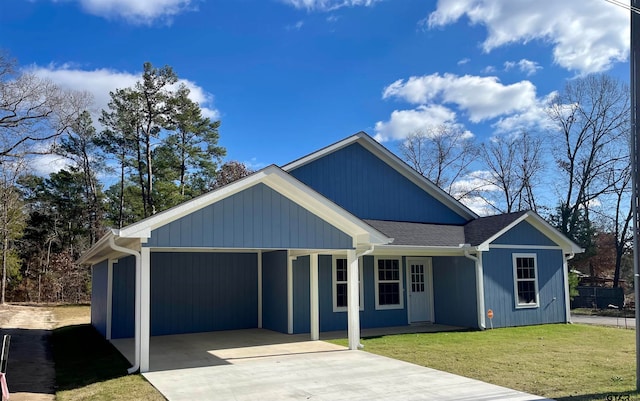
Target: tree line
x,y
149,150
575,172
152,148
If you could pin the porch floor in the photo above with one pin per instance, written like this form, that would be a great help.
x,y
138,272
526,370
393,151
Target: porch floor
x,y
215,348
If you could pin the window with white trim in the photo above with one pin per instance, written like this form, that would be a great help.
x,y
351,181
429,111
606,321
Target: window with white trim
x,y
388,276
525,277
340,285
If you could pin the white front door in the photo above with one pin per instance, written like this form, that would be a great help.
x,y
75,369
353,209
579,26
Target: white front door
x,y
419,277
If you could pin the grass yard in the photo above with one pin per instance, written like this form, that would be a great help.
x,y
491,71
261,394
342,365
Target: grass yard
x,y
90,368
564,362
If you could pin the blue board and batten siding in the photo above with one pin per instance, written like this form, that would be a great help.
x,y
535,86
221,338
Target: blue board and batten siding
x,y
524,233
99,287
454,291
499,279
274,291
330,320
361,183
199,292
255,218
123,304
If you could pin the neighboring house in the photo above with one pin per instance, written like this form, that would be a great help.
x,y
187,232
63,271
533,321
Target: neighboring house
x,y
345,238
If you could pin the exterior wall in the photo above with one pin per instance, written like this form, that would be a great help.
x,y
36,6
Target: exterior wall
x,y
524,234
198,292
257,218
274,291
331,321
123,303
99,276
499,288
301,295
369,188
454,291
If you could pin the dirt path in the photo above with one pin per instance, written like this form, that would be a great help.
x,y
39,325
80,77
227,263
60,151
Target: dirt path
x,y
30,369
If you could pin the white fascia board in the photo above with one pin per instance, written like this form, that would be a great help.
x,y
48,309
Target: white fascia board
x,y
541,225
395,162
324,208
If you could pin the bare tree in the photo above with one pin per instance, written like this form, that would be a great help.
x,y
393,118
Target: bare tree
x,y
515,165
592,124
33,110
441,153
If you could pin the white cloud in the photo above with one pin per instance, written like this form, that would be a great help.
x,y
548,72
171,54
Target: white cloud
x,y
489,69
328,5
44,165
534,117
404,122
100,82
587,36
137,11
481,97
527,66
464,61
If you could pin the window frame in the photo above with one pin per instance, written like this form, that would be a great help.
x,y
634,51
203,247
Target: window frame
x,y
516,280
399,305
335,282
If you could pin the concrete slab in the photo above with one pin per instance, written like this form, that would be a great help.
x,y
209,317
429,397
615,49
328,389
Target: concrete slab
x,y
264,365
335,375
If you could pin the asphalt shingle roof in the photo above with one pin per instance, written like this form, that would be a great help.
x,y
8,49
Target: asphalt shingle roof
x,y
420,234
474,232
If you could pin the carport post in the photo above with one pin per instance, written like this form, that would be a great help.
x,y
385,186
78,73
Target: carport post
x,y
145,307
353,300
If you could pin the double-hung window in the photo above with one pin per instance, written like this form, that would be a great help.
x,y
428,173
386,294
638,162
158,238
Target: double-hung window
x,y
388,274
340,285
525,277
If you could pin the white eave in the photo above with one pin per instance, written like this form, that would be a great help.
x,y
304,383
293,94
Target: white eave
x,y
392,160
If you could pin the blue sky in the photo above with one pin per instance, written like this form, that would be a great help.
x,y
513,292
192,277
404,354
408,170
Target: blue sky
x,y
287,77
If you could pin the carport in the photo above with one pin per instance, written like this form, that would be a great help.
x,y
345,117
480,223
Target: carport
x,y
254,230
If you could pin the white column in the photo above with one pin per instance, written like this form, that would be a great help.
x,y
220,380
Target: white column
x,y
259,255
353,300
314,298
289,294
480,291
567,299
110,264
145,308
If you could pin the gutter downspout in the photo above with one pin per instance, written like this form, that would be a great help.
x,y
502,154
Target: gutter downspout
x,y
479,285
567,298
136,254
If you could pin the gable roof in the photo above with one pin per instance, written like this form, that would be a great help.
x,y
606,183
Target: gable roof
x,y
273,177
479,233
483,231
393,161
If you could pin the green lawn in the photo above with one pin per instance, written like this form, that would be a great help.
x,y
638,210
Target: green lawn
x,y
572,362
88,367
565,362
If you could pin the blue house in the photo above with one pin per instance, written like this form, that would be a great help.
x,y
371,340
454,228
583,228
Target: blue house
x,y
348,237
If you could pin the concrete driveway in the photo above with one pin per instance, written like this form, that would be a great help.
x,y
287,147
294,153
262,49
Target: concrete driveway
x,y
282,367
627,323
